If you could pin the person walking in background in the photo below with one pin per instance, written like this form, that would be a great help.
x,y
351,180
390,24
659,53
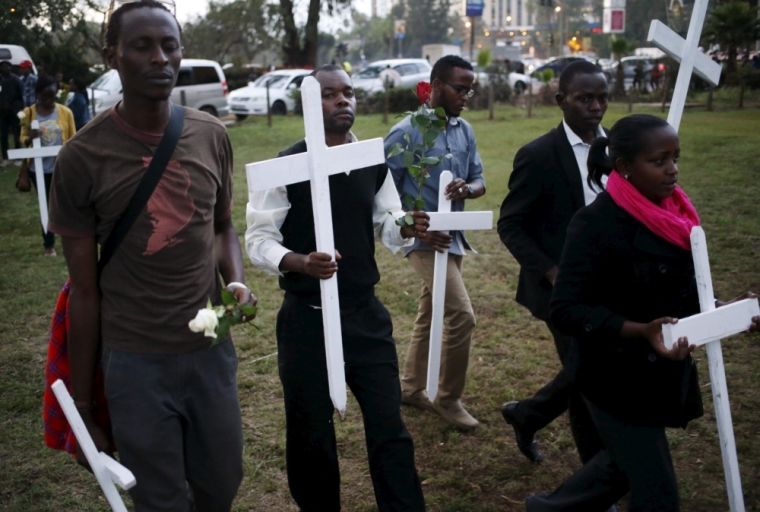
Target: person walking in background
x,y
547,186
56,128
11,103
28,83
62,88
451,82
627,270
80,103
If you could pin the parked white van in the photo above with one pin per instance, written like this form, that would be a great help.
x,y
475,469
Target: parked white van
x,y
201,84
15,55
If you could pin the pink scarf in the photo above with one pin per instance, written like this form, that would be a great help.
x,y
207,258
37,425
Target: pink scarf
x,y
672,220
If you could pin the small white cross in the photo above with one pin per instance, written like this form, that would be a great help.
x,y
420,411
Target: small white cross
x,y
106,470
38,153
688,54
708,327
445,221
316,166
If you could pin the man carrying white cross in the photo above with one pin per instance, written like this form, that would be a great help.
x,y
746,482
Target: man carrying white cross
x,y
56,128
281,240
451,85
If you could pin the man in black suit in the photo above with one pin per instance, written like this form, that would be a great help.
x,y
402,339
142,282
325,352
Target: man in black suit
x,y
547,186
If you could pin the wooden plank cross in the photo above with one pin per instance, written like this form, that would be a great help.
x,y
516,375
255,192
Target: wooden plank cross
x,y
687,53
37,152
106,470
445,221
707,328
316,166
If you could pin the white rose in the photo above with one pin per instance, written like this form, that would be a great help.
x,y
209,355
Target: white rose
x,y
206,321
21,115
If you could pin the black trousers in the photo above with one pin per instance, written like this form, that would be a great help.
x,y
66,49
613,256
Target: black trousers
x,y
371,367
48,239
561,395
634,458
9,125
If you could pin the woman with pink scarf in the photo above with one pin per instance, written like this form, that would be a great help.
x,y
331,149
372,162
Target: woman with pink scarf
x,y
626,270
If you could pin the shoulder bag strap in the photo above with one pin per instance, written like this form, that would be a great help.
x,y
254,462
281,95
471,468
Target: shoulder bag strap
x,y
146,187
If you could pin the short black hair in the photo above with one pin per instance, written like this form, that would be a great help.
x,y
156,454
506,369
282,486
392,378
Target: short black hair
x,y
579,67
113,29
43,83
327,68
443,67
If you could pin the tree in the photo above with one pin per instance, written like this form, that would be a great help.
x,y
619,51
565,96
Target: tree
x,y
732,26
427,22
620,48
241,27
300,45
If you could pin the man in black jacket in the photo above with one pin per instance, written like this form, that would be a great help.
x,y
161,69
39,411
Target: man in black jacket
x,y
11,103
280,240
547,186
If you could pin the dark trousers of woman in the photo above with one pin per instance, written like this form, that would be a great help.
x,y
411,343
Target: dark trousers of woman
x,y
635,459
560,395
48,239
371,367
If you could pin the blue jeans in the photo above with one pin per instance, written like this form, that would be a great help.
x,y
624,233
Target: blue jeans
x,y
176,422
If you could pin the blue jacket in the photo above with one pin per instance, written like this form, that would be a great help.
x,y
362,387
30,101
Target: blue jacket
x,y
459,140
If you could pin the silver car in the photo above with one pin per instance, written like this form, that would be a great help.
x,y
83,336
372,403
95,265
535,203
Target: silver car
x,y
412,72
201,84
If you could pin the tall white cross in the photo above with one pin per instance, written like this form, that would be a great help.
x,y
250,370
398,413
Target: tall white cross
x,y
37,152
688,54
316,166
106,470
445,221
707,328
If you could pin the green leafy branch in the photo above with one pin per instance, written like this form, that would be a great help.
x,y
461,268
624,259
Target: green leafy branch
x,y
430,124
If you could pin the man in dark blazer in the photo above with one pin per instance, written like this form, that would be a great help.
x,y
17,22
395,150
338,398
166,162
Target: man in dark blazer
x,y
547,186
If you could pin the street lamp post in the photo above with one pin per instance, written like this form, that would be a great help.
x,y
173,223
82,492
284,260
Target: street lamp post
x,y
472,37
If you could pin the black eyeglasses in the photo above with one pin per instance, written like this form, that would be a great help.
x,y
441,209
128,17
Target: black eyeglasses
x,y
461,89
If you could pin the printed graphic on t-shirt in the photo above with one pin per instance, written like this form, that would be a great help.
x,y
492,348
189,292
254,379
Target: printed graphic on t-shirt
x,y
170,207
50,133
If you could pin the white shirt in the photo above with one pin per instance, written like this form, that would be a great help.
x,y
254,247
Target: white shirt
x,y
266,212
581,149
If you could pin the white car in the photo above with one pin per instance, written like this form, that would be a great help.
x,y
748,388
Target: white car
x,y
517,82
412,72
201,84
252,99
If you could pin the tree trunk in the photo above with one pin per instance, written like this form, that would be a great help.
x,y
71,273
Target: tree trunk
x,y
298,55
311,34
619,91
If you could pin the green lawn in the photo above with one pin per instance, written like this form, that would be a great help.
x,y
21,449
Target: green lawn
x,y
512,356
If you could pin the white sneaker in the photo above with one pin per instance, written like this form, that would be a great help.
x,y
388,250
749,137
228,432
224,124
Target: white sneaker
x,y
5,163
17,163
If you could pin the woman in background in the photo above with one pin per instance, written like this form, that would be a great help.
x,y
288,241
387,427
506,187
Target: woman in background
x,y
80,103
56,127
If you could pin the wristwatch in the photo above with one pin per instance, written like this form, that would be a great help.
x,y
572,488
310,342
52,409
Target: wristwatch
x,y
469,190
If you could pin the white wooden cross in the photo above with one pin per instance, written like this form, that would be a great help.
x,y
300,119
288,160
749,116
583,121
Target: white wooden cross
x,y
316,166
445,221
107,471
38,153
688,54
707,328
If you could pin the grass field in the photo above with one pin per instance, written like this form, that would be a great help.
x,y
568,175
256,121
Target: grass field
x,y
512,354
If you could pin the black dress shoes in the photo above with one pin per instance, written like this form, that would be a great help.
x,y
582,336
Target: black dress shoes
x,y
525,438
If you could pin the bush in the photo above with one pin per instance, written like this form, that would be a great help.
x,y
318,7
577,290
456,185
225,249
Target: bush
x,y
237,77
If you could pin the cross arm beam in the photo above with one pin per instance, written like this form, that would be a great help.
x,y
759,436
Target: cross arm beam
x,y
460,221
713,325
671,43
45,151
295,168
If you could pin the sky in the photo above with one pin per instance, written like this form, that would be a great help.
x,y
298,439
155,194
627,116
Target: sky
x,y
187,10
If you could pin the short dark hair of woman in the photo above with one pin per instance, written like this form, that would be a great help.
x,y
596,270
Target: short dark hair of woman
x,y
443,67
113,29
43,83
626,140
81,88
